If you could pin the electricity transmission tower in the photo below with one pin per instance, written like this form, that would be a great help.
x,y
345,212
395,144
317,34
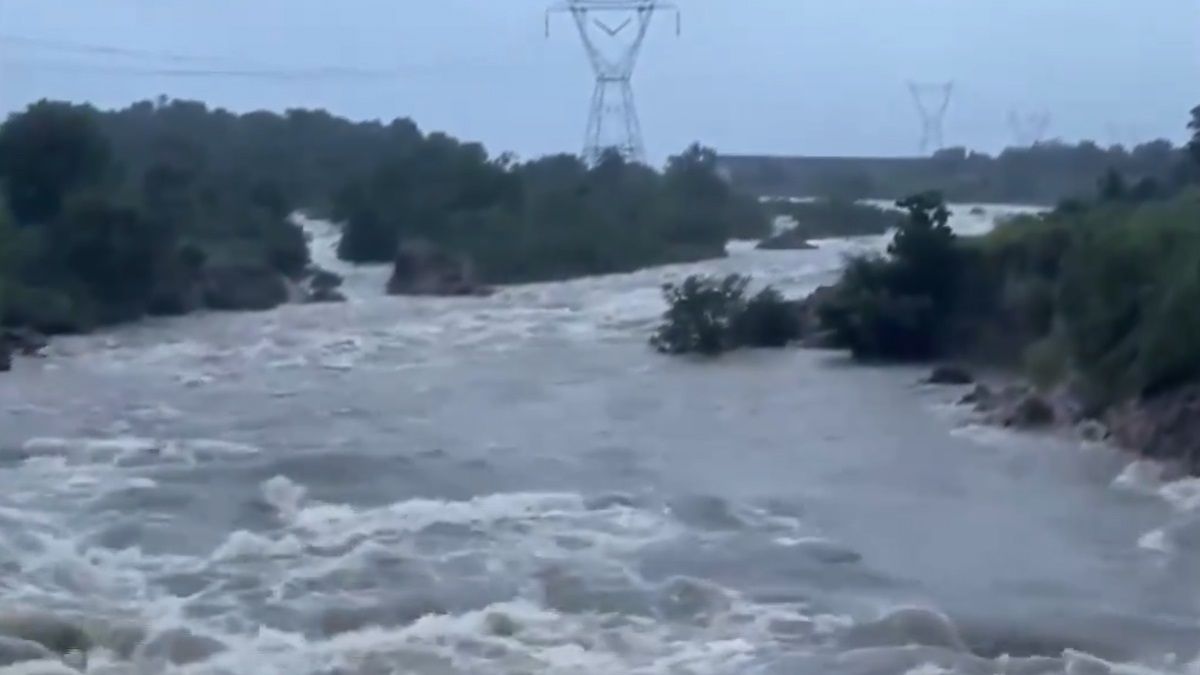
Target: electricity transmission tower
x,y
932,101
1029,129
613,32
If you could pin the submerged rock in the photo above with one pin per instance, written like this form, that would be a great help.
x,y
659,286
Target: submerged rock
x,y
15,650
41,667
322,287
790,240
22,341
908,626
181,647
1031,412
1092,431
422,268
982,397
1164,427
950,375
57,634
244,288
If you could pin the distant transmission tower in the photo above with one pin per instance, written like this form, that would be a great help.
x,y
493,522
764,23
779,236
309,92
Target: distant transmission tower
x,y
613,32
1029,129
932,101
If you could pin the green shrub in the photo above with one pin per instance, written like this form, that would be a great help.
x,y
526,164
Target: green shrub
x,y
767,320
709,316
700,317
899,306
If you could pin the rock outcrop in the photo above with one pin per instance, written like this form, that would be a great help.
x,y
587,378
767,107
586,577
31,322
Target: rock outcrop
x,y
244,288
421,268
950,375
1015,406
23,341
323,286
1164,427
1031,411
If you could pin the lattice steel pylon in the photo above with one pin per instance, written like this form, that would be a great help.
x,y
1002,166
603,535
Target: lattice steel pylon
x,y
1029,129
932,101
613,33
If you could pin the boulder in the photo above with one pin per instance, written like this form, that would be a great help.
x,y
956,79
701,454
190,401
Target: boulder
x,y
907,626
322,287
180,646
324,296
1030,412
244,288
421,268
1164,427
1092,431
23,341
982,397
324,280
790,240
58,634
950,375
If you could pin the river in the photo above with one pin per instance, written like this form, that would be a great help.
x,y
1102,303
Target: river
x,y
518,484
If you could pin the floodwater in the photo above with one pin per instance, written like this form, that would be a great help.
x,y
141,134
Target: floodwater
x,y
518,484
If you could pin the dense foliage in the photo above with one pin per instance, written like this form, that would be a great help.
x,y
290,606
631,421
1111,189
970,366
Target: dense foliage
x,y
95,233
550,218
1104,291
709,316
895,306
167,206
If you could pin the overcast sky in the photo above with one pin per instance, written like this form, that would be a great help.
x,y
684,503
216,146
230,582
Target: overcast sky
x,y
746,76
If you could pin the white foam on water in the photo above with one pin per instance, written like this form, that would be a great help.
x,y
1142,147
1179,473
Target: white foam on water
x,y
243,545
284,495
506,637
1182,494
1141,476
1155,540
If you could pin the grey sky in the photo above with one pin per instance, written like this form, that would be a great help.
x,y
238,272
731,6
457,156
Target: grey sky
x,y
763,76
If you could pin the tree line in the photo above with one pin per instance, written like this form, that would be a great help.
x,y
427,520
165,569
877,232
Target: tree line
x,y
168,206
1045,173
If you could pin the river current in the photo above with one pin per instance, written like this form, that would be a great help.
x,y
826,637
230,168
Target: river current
x,y
518,484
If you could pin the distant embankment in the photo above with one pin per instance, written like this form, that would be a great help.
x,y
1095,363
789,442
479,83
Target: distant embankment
x,y
876,177
1043,174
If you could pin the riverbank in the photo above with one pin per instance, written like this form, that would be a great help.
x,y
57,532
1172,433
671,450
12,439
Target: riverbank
x,y
1093,304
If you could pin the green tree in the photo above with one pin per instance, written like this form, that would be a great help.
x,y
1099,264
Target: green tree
x,y
46,153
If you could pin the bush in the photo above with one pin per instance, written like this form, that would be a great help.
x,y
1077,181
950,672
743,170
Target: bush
x,y
1128,296
700,315
709,316
767,320
899,306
